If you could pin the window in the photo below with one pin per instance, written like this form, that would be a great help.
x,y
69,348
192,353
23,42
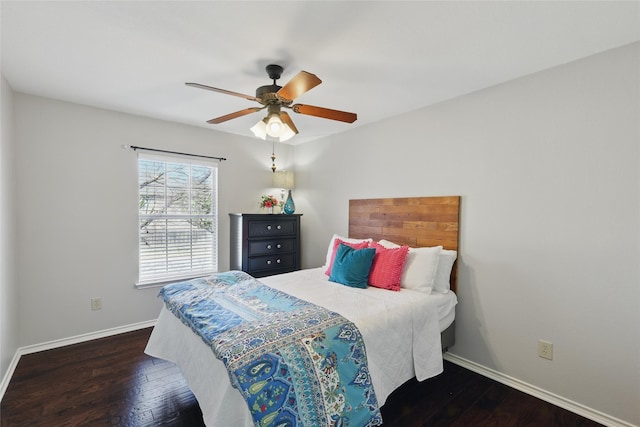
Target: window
x,y
177,218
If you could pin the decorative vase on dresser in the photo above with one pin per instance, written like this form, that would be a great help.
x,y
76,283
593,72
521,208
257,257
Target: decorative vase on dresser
x,y
289,206
263,244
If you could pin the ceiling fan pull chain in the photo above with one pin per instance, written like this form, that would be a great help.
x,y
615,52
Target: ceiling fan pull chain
x,y
273,156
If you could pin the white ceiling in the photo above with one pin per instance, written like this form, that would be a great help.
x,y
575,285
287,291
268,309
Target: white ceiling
x,y
377,59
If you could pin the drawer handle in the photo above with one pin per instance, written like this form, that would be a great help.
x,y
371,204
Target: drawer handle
x,y
279,227
268,246
268,227
278,246
278,260
269,262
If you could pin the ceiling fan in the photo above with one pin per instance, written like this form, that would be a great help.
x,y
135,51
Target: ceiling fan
x,y
278,124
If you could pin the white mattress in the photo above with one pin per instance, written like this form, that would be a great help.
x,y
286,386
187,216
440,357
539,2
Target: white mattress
x,y
401,331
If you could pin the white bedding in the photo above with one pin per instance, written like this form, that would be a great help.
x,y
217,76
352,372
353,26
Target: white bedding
x,y
401,331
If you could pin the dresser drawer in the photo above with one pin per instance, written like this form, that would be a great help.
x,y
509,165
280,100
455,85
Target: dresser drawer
x,y
271,246
279,227
272,262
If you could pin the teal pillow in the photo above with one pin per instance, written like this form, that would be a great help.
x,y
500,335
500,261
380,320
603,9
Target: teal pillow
x,y
351,266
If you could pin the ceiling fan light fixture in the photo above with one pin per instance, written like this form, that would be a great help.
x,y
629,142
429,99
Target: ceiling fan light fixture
x,y
273,126
286,132
260,129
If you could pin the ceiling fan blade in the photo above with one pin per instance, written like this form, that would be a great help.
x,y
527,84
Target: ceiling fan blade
x,y
325,113
235,115
228,92
299,84
286,119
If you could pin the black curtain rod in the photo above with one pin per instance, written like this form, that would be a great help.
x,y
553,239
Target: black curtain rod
x,y
176,152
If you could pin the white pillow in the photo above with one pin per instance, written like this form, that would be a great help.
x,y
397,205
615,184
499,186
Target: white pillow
x,y
389,245
420,267
344,239
443,272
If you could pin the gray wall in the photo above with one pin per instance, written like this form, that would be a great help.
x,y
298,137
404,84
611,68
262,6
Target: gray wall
x,y
8,285
77,208
548,169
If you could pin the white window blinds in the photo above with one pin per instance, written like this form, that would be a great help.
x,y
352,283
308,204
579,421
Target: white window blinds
x,y
177,218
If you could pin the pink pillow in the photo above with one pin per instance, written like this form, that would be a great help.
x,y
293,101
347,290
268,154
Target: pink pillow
x,y
336,244
386,270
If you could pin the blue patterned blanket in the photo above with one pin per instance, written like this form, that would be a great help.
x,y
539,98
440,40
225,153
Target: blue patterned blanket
x,y
295,363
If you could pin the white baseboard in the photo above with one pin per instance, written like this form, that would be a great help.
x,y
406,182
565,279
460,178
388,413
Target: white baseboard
x,y
7,376
532,390
64,342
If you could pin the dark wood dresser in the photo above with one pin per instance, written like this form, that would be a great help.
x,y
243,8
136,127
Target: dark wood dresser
x,y
265,244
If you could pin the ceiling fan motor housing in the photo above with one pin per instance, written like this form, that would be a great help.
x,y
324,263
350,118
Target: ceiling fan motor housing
x,y
267,94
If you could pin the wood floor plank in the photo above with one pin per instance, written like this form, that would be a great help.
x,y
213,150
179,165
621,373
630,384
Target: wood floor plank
x,y
111,382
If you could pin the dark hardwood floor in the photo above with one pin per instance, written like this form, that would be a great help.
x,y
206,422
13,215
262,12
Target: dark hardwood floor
x,y
111,382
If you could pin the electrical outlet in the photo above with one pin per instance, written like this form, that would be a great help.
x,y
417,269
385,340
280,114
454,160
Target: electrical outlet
x,y
545,349
96,304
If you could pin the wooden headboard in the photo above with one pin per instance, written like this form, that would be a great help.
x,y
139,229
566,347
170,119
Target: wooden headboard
x,y
413,221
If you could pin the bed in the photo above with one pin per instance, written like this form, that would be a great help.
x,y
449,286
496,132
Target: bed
x,y
404,332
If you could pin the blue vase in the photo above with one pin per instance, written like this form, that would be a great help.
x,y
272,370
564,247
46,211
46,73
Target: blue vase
x,y
289,206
